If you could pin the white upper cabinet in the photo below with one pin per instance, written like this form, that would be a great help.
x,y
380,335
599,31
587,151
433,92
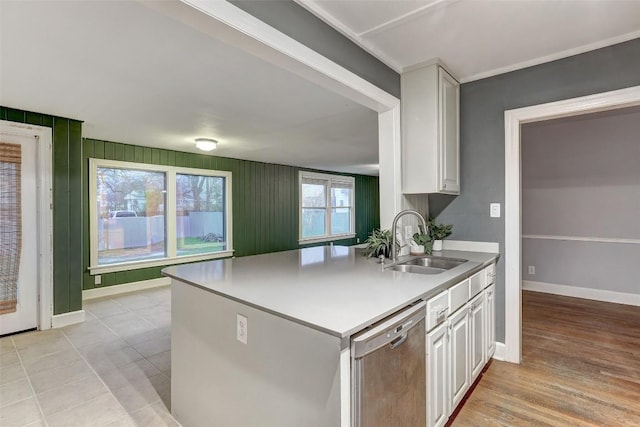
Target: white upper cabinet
x,y
430,131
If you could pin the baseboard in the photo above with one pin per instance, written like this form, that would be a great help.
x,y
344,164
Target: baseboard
x,y
462,245
124,288
66,319
500,351
586,293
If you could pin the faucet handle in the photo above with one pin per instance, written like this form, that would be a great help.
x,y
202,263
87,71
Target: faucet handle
x,y
381,258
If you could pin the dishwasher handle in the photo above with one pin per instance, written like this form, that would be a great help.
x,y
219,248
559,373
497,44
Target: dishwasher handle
x,y
399,341
392,330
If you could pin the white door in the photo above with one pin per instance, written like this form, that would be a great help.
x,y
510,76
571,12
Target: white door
x,y
19,241
437,377
490,334
477,337
459,356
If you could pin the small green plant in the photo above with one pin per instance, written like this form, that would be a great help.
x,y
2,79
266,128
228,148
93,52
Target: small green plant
x,y
424,240
378,243
438,231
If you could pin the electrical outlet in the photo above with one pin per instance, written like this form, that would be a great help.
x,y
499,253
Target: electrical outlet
x,y
494,210
532,270
357,240
97,279
408,232
242,328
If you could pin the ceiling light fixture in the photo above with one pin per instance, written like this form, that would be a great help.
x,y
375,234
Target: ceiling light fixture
x,y
206,144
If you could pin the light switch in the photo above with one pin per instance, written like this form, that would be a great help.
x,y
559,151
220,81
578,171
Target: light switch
x,y
494,210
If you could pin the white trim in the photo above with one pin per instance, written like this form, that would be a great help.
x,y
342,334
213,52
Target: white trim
x,y
171,257
106,291
160,262
582,239
462,245
513,257
45,214
66,319
326,239
500,352
390,158
586,293
553,57
345,387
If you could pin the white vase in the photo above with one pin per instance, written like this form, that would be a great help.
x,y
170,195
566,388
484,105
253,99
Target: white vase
x,y
437,245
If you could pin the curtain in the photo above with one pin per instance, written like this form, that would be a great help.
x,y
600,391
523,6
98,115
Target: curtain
x,y
10,225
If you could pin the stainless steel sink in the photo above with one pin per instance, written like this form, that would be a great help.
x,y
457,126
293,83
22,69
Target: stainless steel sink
x,y
436,262
428,265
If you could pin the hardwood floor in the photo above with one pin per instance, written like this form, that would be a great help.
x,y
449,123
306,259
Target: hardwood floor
x,y
580,367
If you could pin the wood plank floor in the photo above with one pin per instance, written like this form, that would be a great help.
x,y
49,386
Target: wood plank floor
x,y
580,367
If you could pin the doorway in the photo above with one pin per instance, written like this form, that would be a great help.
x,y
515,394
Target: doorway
x,y
513,227
25,232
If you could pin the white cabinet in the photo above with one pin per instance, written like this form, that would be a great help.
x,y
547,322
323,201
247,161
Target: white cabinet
x,y
430,99
477,320
459,373
438,376
490,321
458,346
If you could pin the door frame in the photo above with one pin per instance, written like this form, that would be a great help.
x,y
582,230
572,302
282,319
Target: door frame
x,y
44,158
513,119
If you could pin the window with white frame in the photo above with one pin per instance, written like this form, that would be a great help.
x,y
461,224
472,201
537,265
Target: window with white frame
x,y
326,207
151,215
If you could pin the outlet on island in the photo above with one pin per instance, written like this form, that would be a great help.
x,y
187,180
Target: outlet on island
x,y
242,328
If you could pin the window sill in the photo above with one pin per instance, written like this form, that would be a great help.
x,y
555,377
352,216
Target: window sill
x,y
326,239
162,262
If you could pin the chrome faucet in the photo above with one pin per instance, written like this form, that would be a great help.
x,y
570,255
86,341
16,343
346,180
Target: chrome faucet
x,y
394,255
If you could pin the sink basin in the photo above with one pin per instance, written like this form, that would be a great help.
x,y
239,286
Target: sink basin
x,y
406,268
435,262
428,265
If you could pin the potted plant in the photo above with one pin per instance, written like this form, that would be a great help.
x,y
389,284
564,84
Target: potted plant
x,y
420,244
438,232
378,243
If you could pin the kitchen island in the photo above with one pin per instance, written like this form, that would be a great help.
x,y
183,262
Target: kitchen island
x,y
296,311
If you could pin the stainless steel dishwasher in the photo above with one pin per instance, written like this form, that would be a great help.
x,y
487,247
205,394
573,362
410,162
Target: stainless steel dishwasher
x,y
388,372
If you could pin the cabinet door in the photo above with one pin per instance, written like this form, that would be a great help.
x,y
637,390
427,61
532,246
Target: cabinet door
x,y
490,312
448,140
477,338
459,373
437,376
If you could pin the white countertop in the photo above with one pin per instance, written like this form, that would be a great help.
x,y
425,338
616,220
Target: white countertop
x,y
334,289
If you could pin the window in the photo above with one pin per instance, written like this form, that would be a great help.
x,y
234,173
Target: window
x,y
150,215
326,207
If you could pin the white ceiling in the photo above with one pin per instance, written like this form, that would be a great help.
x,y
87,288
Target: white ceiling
x,y
137,76
480,38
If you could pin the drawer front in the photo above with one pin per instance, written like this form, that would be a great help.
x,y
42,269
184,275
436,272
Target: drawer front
x,y
490,273
437,309
458,295
477,283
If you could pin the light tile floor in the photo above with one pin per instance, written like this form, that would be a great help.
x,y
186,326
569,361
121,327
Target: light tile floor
x,y
112,370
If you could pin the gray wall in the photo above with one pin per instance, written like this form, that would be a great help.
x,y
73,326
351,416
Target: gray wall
x,y
301,25
483,103
581,178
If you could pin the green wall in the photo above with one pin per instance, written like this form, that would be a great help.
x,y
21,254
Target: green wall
x,y
265,202
67,205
